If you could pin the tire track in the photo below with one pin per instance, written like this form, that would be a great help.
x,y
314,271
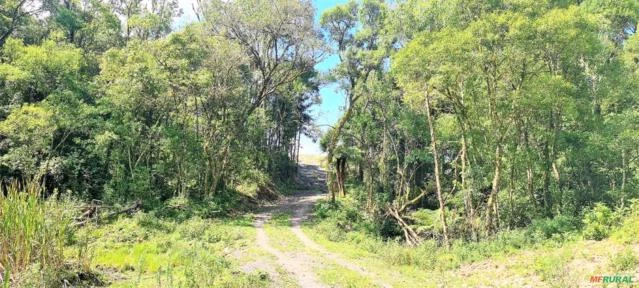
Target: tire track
x,y
296,266
299,206
301,214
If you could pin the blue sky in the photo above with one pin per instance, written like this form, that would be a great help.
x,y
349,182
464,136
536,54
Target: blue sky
x,y
328,112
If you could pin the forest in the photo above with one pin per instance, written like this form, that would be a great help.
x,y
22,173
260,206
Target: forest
x,y
479,143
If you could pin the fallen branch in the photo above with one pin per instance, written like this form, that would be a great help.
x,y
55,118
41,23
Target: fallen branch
x,y
132,208
91,213
411,237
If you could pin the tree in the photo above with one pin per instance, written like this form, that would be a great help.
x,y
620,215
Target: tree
x,y
12,14
361,53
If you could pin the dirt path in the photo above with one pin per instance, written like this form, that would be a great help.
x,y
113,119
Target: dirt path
x,y
296,265
299,206
300,215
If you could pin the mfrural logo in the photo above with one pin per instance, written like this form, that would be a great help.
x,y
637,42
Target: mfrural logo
x,y
611,279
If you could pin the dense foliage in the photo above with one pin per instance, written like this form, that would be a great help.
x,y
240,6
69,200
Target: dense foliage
x,y
103,100
463,118
495,113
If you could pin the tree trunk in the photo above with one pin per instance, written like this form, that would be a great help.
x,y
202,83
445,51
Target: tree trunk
x,y
340,170
510,196
468,196
332,187
491,215
623,171
547,201
530,187
438,188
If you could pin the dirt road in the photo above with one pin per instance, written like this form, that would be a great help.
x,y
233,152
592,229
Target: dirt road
x,y
298,264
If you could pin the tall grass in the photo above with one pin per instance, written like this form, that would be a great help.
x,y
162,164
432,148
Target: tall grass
x,y
32,230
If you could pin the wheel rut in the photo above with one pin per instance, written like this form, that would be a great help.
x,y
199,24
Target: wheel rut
x,y
296,265
299,265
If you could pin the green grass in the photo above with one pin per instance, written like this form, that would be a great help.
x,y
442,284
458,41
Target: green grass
x,y
552,267
146,251
280,219
280,235
363,253
341,224
33,233
543,255
403,266
337,276
285,279
628,233
282,238
624,260
164,249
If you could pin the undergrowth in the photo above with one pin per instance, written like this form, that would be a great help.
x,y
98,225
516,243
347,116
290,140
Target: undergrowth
x,y
184,243
343,221
33,235
150,251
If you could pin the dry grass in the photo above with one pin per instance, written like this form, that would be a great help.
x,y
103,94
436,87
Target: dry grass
x,y
308,159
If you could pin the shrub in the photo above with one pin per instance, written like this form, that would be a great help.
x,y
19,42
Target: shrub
x,y
329,229
193,228
628,233
598,222
399,255
343,216
325,208
426,220
424,256
182,208
553,228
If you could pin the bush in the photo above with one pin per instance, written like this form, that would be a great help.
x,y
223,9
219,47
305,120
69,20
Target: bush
x,y
553,228
598,222
32,231
423,256
342,215
193,229
325,208
628,233
182,208
426,220
329,229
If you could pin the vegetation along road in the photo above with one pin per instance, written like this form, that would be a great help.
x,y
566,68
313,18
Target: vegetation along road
x,y
319,143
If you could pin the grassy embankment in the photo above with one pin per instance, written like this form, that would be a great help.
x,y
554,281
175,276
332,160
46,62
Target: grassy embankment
x,y
183,246
549,253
